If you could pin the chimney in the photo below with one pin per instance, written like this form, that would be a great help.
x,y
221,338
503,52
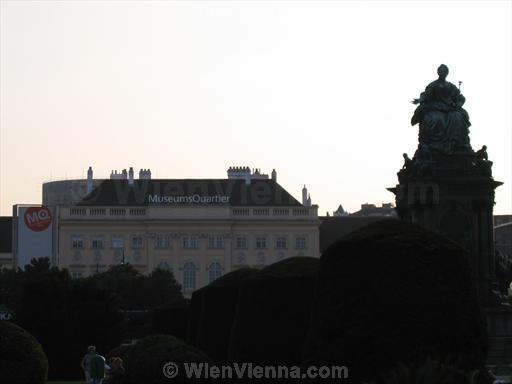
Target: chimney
x,y
130,176
145,174
274,175
304,196
308,201
88,188
124,175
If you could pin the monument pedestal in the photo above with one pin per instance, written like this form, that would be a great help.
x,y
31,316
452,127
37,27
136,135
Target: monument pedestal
x,y
454,195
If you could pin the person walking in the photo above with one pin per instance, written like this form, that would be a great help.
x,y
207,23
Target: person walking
x,y
86,363
97,371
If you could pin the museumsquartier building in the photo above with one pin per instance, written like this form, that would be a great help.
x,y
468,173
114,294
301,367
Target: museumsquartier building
x,y
199,229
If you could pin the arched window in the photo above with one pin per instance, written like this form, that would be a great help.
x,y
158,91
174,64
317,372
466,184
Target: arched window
x,y
189,277
164,266
214,272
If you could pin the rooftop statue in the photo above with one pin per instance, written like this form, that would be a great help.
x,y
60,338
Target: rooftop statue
x,y
444,124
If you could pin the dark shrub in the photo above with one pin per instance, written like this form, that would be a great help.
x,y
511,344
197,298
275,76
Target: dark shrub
x,y
273,313
145,361
196,308
172,319
66,316
22,359
392,293
136,324
134,291
119,351
430,372
219,303
43,312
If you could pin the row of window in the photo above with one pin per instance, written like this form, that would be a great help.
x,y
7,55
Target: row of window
x,y
280,242
187,242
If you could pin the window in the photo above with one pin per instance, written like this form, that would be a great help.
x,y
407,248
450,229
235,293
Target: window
x,y
214,272
240,259
281,242
215,242
300,242
117,241
164,266
76,275
77,242
241,242
137,242
97,242
189,277
163,241
261,243
190,242
97,256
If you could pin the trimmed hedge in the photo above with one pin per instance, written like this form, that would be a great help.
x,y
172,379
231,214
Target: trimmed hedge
x,y
394,293
432,372
22,359
172,319
144,362
196,308
219,304
119,351
273,313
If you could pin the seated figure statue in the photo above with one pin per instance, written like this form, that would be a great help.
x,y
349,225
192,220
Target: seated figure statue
x,y
444,124
482,161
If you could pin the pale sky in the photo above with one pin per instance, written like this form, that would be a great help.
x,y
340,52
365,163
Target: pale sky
x,y
320,91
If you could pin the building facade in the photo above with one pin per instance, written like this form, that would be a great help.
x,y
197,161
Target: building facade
x,y
199,229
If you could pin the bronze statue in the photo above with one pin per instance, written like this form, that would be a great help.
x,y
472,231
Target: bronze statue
x,y
481,154
444,124
482,161
407,161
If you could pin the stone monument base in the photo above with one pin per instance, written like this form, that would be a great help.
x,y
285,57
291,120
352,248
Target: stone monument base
x,y
499,326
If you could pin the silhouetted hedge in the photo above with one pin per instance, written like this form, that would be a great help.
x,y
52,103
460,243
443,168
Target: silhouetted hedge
x,y
431,372
145,361
196,308
392,293
219,304
22,359
172,319
119,351
273,313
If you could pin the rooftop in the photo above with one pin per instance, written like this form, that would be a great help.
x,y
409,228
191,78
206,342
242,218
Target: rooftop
x,y
232,192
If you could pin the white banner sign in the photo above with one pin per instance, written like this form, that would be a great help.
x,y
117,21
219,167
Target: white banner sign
x,y
34,229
